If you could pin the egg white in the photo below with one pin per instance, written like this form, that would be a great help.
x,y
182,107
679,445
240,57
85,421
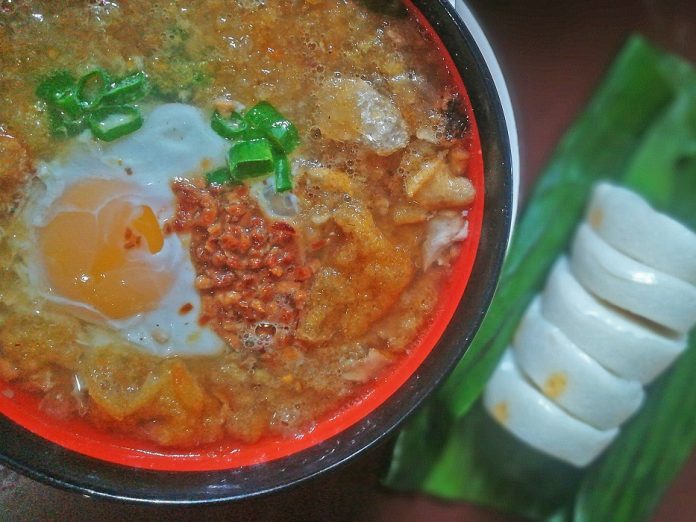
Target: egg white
x,y
176,141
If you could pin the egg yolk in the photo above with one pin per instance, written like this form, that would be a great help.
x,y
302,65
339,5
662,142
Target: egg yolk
x,y
99,249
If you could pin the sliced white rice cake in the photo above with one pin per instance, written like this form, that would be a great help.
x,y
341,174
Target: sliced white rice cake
x,y
534,419
626,345
629,224
631,285
569,376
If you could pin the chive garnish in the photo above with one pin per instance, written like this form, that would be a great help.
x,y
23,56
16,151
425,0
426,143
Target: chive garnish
x,y
251,158
68,103
219,176
128,89
266,117
113,122
93,101
262,139
231,127
63,126
92,87
55,86
282,171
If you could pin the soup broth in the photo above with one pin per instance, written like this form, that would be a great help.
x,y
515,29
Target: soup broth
x,y
292,303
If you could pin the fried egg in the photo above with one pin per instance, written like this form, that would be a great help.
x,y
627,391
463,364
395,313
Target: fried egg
x,y
99,245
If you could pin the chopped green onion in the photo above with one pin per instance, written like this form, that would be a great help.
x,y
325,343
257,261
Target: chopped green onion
x,y
285,135
63,126
265,117
219,176
232,127
65,114
68,103
92,87
282,171
58,91
262,138
72,106
248,159
129,89
111,123
55,85
254,134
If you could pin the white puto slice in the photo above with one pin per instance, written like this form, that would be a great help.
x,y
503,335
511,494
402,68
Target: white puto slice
x,y
570,377
628,346
534,419
629,224
631,285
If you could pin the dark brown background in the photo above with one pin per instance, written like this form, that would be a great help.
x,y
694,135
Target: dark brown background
x,y
553,53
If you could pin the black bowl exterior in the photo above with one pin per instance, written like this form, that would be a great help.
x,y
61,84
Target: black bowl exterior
x,y
50,463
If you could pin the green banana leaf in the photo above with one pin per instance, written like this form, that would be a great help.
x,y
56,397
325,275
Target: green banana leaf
x,y
640,130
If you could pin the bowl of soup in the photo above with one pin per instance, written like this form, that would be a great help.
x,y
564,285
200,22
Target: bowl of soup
x,y
241,240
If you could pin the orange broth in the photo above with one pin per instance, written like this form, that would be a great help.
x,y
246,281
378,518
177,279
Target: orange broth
x,y
366,311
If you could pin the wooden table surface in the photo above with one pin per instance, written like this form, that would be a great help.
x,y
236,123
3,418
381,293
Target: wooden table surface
x,y
553,53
